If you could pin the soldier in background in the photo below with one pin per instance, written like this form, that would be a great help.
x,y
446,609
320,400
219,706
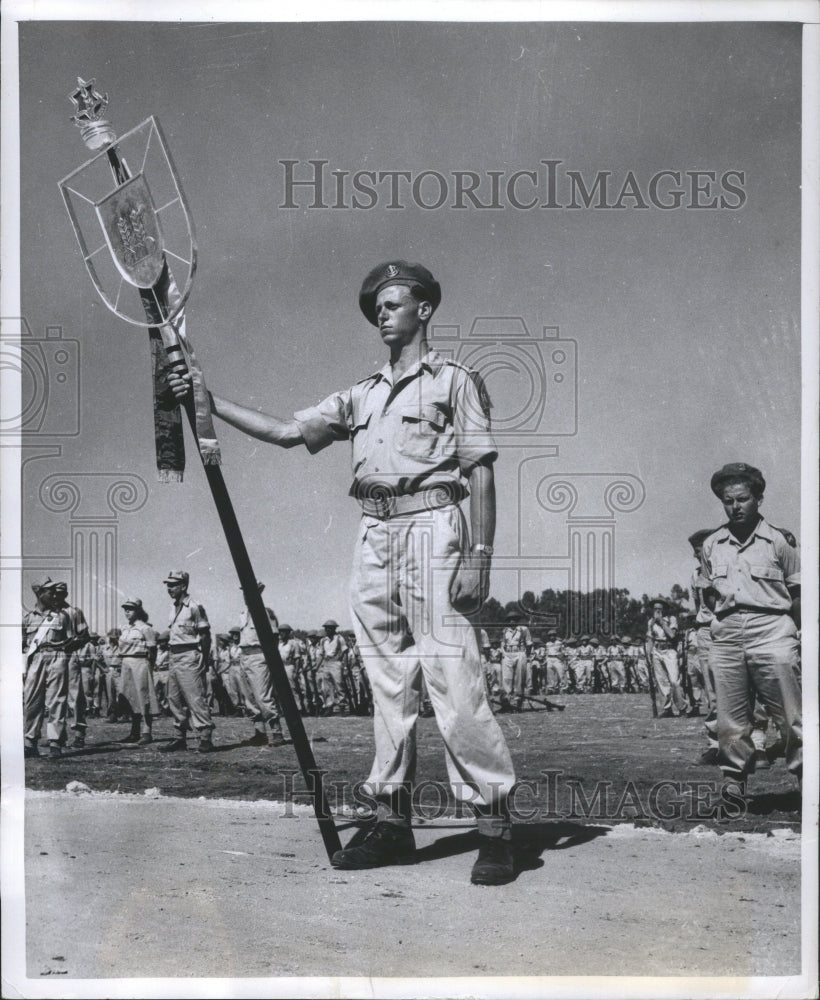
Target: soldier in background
x,y
77,707
516,645
571,662
222,669
361,685
661,643
332,648
637,653
110,654
189,646
615,666
752,572
292,653
236,684
259,692
92,676
600,676
312,655
138,649
47,637
161,672
556,667
584,664
538,666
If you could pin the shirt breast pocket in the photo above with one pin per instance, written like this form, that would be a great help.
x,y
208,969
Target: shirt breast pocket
x,y
768,573
420,431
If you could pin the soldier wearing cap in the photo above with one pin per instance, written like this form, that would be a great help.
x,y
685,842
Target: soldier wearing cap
x,y
752,570
260,696
235,680
292,652
584,663
516,645
138,649
355,669
420,432
662,647
189,647
537,666
311,668
47,637
615,666
332,650
556,667
600,675
77,703
571,661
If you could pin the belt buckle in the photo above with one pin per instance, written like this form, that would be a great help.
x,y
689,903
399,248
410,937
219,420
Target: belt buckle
x,y
385,506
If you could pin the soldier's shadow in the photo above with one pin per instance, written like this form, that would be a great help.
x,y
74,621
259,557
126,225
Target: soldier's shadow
x,y
530,840
769,802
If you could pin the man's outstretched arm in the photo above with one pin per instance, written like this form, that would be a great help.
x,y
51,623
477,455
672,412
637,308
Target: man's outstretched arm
x,y
274,430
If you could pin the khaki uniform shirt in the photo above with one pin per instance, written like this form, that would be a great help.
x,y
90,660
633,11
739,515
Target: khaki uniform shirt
x,y
137,639
59,634
515,640
655,632
332,648
187,624
247,630
432,427
291,651
698,585
754,574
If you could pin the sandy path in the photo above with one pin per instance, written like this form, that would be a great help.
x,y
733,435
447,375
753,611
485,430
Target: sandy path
x,y
130,886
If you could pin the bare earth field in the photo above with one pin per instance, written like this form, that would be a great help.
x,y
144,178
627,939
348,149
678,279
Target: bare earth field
x,y
204,870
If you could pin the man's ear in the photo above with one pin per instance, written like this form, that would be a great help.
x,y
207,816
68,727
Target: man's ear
x,y
425,311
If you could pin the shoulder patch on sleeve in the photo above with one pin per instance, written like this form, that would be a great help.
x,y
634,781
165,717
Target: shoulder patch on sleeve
x,y
483,395
787,535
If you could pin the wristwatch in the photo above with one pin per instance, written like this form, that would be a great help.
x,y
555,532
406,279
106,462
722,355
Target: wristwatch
x,y
486,549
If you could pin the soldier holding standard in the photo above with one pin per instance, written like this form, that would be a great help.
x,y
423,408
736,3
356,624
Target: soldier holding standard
x,y
420,432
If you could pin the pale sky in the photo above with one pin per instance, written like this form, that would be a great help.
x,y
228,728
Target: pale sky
x,y
686,321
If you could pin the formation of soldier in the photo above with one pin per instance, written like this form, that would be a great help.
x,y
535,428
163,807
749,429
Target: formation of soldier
x,y
136,673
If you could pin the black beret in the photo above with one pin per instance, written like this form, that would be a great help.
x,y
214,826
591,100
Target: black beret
x,y
397,272
738,470
699,537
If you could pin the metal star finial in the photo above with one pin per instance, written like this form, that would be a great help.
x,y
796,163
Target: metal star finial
x,y
89,103
95,131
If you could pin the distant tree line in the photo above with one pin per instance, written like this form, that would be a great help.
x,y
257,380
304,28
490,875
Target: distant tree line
x,y
573,613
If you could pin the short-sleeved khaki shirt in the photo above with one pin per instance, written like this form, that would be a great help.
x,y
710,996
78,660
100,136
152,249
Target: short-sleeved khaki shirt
x,y
431,427
754,574
137,639
187,624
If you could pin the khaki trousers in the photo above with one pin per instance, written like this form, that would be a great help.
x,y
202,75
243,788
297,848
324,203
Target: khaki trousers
x,y
260,697
407,628
45,696
755,655
188,693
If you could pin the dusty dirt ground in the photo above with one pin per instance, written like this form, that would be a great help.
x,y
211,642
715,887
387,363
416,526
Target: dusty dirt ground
x,y
172,866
